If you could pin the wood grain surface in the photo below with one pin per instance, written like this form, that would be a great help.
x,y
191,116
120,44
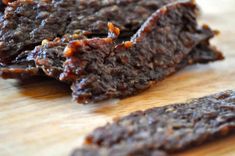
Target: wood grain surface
x,y
38,118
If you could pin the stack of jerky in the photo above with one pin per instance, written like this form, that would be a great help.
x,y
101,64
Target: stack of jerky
x,y
103,49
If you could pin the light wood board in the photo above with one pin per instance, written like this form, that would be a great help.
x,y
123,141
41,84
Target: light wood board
x,y
38,117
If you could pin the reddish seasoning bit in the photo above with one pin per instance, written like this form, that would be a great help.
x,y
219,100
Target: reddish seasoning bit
x,y
68,51
73,46
128,44
105,69
113,30
164,130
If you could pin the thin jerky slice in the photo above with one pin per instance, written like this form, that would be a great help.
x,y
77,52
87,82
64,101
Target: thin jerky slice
x,y
23,67
49,60
26,23
45,60
170,128
101,69
49,57
122,150
128,15
204,53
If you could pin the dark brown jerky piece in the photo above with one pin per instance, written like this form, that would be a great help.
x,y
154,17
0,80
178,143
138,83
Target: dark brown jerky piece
x,y
26,23
23,67
122,150
128,15
101,69
49,57
171,128
49,61
204,53
46,59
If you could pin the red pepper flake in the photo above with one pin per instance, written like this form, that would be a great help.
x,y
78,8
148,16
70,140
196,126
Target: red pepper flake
x,y
108,40
68,51
72,46
113,29
76,36
128,44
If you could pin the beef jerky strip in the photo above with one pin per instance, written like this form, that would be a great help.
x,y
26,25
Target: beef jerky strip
x,y
26,22
46,59
23,67
128,15
101,69
49,61
170,128
118,150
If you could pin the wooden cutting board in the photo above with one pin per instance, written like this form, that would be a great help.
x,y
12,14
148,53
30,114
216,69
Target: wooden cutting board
x,y
38,118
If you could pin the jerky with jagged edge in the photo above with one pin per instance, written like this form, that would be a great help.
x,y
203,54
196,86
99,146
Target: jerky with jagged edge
x,y
102,69
26,23
166,129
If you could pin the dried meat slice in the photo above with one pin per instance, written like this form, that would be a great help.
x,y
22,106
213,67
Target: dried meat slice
x,y
45,60
49,60
26,23
122,150
170,128
102,69
23,67
128,15
49,57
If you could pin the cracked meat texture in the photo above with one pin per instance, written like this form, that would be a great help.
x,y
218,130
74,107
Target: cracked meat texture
x,y
49,56
128,15
101,69
167,129
26,23
45,60
48,60
22,67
